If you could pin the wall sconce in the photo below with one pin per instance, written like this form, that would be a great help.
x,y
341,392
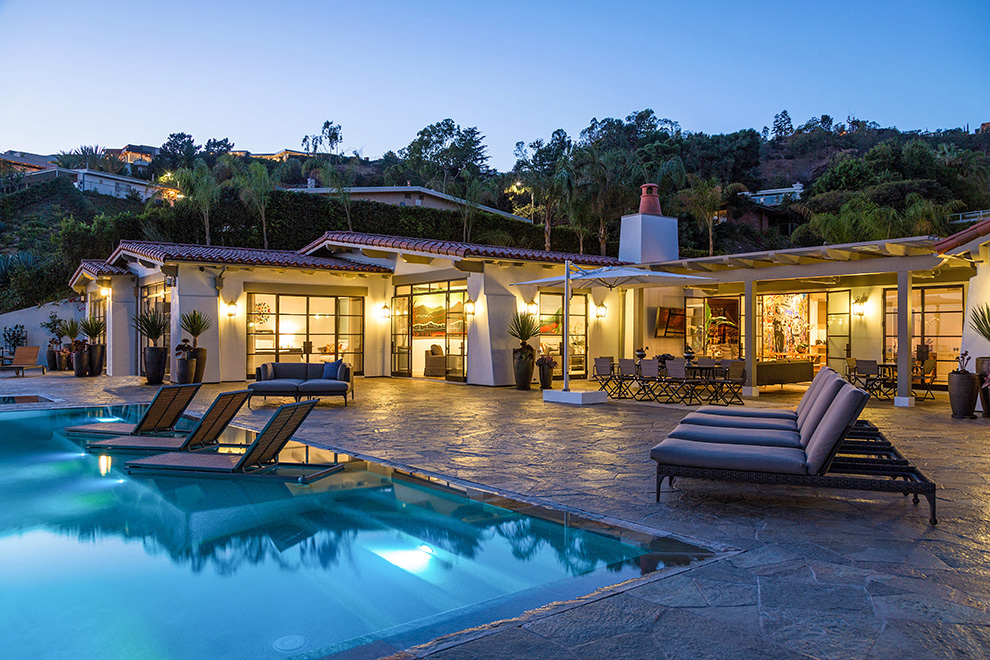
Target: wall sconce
x,y
105,291
532,307
384,313
601,311
232,309
859,306
469,307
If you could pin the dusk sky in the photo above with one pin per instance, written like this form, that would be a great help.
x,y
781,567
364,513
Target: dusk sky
x,y
265,73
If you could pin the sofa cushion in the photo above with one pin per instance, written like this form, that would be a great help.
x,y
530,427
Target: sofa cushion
x,y
330,370
435,349
323,385
776,423
266,371
276,386
782,460
295,370
728,411
845,409
737,436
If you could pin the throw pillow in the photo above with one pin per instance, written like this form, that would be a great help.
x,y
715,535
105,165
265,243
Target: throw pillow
x,y
331,369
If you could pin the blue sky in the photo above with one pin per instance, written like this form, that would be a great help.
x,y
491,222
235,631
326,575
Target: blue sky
x,y
266,73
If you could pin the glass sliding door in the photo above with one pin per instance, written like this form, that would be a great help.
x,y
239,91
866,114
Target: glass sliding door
x,y
401,333
299,328
937,325
837,345
551,320
429,330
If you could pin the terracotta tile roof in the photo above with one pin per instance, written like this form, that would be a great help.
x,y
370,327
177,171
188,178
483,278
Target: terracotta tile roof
x,y
454,249
214,254
965,236
101,268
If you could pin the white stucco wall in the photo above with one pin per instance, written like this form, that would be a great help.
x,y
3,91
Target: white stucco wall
x,y
979,294
32,318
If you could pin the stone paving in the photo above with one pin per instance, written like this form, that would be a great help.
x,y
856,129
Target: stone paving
x,y
829,574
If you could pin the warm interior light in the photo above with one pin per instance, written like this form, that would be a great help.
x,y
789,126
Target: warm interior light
x,y
469,307
601,311
231,309
384,313
105,291
532,307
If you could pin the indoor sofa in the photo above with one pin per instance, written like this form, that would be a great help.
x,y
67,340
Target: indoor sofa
x,y
302,380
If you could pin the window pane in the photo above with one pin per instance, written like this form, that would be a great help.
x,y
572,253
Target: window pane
x,y
351,306
322,306
943,300
322,324
292,305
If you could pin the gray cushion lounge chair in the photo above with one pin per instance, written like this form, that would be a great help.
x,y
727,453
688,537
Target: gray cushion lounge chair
x,y
729,454
259,459
206,432
161,415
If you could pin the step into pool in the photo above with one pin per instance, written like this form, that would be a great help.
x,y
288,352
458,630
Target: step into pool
x,y
95,563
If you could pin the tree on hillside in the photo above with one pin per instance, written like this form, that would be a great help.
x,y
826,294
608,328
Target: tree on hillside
x,y
340,180
601,181
704,199
324,144
541,170
782,126
178,151
92,157
216,148
256,192
439,154
199,188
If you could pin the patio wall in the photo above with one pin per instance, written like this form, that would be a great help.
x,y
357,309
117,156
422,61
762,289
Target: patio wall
x,y
979,294
32,318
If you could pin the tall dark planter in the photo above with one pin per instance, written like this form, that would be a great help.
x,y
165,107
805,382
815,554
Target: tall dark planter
x,y
546,377
200,356
983,367
523,364
964,388
185,369
97,352
154,364
52,357
80,362
63,361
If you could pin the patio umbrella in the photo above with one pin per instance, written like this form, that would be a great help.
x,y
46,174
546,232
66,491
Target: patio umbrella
x,y
610,277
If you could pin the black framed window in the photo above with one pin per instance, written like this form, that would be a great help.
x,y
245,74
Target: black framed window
x,y
937,321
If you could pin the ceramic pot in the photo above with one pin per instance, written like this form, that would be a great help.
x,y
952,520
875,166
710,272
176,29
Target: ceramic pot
x,y
154,364
523,364
199,354
546,377
964,389
52,357
185,370
96,354
63,361
80,362
983,367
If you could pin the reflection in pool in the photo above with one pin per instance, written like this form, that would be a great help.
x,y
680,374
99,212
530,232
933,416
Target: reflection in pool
x,y
97,564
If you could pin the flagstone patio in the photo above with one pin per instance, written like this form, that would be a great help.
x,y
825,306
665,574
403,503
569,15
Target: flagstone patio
x,y
807,574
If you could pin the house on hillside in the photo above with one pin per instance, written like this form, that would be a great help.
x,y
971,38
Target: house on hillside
x,y
775,196
408,196
280,156
23,161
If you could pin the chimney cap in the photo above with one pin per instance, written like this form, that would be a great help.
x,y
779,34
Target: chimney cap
x,y
649,201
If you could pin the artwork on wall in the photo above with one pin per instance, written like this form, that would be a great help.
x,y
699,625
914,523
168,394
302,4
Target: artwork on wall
x,y
785,323
671,322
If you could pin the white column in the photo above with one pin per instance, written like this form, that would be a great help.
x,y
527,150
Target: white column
x,y
904,399
749,310
122,344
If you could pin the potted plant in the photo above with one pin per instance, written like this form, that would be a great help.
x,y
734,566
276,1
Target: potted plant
x,y
153,324
546,365
523,327
964,389
93,327
195,324
979,320
80,363
53,326
185,365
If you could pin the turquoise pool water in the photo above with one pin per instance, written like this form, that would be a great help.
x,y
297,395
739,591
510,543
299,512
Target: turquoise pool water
x,y
96,564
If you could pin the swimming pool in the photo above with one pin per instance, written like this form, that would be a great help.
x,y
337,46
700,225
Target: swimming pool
x,y
97,564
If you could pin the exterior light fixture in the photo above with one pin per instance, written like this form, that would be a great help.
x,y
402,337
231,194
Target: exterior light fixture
x,y
232,308
859,306
532,307
469,307
601,311
384,313
105,291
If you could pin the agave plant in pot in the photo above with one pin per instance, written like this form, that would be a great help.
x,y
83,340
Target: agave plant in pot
x,y
979,320
153,324
94,328
194,323
523,327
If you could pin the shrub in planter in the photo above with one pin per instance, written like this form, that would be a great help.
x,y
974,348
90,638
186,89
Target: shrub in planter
x,y
964,388
546,365
979,320
185,365
53,325
153,325
195,324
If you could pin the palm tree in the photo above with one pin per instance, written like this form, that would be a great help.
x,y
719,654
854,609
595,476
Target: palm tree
x,y
92,157
256,191
199,187
703,200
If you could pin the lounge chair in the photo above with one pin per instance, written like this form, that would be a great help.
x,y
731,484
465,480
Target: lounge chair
x,y
822,461
25,357
206,433
259,459
161,416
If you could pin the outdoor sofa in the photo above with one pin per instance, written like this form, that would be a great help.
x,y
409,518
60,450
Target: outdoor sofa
x,y
815,452
780,372
302,380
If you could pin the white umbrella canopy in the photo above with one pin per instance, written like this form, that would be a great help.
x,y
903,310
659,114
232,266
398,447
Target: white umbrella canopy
x,y
610,277
618,277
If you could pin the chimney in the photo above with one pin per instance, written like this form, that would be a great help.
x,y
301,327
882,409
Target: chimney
x,y
648,236
649,202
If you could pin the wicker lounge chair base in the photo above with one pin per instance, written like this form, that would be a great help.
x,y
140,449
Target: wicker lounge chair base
x,y
159,417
